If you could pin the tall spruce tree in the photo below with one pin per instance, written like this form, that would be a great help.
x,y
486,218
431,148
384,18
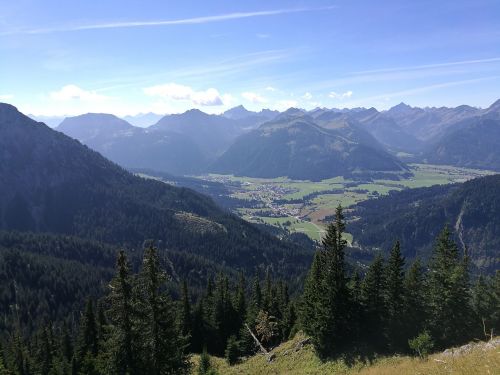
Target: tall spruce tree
x,y
122,343
162,344
415,314
449,299
373,297
394,278
186,320
326,300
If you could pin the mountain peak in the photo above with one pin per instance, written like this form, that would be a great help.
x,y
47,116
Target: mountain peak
x,y
495,107
237,112
400,107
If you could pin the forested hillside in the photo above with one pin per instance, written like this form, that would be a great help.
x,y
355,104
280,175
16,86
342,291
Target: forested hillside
x,y
52,183
414,217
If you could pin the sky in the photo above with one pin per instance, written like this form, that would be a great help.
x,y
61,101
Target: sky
x,y
126,57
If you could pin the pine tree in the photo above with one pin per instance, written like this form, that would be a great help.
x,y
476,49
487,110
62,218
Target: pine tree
x,y
185,313
373,297
122,343
394,278
326,296
88,342
449,300
495,320
161,341
484,308
415,313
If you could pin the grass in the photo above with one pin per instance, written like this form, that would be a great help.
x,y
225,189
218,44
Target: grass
x,y
292,360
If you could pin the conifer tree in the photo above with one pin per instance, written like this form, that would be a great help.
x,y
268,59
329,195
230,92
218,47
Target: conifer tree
x,y
122,343
88,343
484,308
395,299
373,297
449,298
162,345
185,313
415,314
326,296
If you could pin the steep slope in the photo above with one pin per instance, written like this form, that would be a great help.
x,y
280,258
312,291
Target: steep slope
x,y
211,133
294,145
472,142
143,120
415,217
297,357
134,147
51,183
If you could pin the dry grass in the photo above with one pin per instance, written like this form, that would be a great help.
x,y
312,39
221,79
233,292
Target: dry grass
x,y
290,360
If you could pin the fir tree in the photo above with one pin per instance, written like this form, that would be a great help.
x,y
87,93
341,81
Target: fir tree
x,y
394,278
414,301
122,343
185,312
326,296
484,308
88,342
373,297
449,298
161,342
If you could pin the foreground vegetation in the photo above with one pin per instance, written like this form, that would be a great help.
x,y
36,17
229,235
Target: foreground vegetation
x,y
350,320
294,358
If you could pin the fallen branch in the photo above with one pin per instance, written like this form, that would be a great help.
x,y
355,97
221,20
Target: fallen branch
x,y
269,355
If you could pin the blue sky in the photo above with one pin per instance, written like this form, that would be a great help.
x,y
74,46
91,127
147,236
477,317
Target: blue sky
x,y
126,57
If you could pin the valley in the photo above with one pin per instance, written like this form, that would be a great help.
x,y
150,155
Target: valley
x,y
305,206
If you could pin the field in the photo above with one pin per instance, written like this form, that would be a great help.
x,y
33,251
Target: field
x,y
303,206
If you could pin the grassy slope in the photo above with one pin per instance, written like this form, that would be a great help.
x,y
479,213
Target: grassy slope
x,y
292,361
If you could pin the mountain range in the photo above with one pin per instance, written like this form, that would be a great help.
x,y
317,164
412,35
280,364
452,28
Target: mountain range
x,y
318,144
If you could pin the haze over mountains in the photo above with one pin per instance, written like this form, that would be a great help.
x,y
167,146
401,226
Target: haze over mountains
x,y
318,144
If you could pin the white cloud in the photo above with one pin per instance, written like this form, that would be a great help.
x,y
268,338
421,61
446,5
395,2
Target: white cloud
x,y
253,97
262,36
73,92
270,88
174,91
341,96
6,96
307,96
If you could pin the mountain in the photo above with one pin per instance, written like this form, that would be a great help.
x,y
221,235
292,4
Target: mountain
x,y
211,133
472,142
415,217
248,119
143,120
134,147
52,183
294,145
94,126
428,123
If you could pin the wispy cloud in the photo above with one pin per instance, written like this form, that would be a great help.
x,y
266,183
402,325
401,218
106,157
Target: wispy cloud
x,y
6,96
174,91
428,66
183,21
340,96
